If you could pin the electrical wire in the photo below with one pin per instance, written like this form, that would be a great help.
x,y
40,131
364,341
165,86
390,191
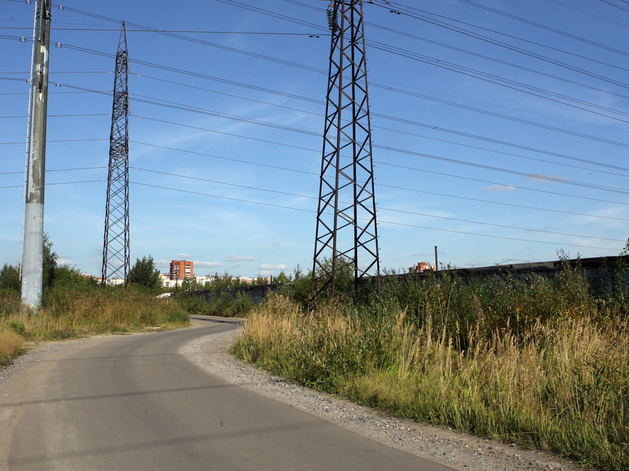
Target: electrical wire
x,y
384,87
241,200
615,5
53,142
413,213
179,106
78,115
432,99
476,54
275,167
589,13
226,2
431,127
449,175
544,27
445,130
388,148
192,31
511,84
56,184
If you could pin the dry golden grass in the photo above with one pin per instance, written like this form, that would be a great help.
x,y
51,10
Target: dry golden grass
x,y
10,346
70,313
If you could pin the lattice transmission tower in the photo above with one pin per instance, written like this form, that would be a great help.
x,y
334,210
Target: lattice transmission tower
x,y
116,257
346,235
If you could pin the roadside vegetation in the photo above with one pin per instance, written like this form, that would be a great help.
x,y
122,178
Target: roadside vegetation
x,y
524,359
222,296
74,305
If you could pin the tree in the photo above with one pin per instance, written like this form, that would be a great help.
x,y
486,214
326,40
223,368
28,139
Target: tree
x,y
9,277
282,278
144,273
50,263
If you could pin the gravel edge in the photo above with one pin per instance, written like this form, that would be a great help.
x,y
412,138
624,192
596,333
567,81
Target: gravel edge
x,y
459,451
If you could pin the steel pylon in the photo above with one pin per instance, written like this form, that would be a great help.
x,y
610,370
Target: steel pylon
x,y
346,238
116,257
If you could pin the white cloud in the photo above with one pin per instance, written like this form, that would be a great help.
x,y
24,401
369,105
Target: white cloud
x,y
208,264
498,188
237,258
267,267
547,178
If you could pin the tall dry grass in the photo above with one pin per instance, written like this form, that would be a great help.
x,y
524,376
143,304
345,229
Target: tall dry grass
x,y
562,385
70,312
10,346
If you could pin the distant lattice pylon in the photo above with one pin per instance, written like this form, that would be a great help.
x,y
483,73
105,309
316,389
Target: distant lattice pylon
x,y
346,235
116,258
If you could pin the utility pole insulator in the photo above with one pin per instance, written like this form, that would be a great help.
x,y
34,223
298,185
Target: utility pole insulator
x,y
116,253
346,235
33,255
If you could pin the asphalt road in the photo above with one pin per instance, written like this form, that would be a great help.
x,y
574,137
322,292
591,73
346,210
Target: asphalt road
x,y
133,403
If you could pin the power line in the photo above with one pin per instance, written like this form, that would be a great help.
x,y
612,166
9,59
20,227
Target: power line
x,y
511,84
385,163
56,184
52,142
414,213
179,106
490,182
241,200
75,169
547,28
276,167
522,87
472,53
191,31
400,8
432,127
468,135
393,149
390,89
396,90
202,154
615,5
590,13
77,115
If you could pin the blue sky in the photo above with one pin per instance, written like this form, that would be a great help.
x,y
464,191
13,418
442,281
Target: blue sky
x,y
500,129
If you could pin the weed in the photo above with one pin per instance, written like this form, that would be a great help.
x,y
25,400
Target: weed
x,y
529,359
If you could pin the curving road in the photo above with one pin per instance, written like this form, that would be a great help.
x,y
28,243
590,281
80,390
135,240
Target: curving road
x,y
133,403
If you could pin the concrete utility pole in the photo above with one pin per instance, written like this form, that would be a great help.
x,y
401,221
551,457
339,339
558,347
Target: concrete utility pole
x,y
33,256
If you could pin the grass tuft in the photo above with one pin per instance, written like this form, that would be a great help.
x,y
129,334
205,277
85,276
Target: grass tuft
x,y
10,346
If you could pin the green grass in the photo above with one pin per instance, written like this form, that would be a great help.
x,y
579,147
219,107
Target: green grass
x,y
534,361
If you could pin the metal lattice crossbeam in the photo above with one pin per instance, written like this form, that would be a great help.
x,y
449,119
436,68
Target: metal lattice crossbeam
x,y
116,257
346,234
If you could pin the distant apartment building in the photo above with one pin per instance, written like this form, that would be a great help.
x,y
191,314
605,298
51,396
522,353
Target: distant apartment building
x,y
422,267
181,270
